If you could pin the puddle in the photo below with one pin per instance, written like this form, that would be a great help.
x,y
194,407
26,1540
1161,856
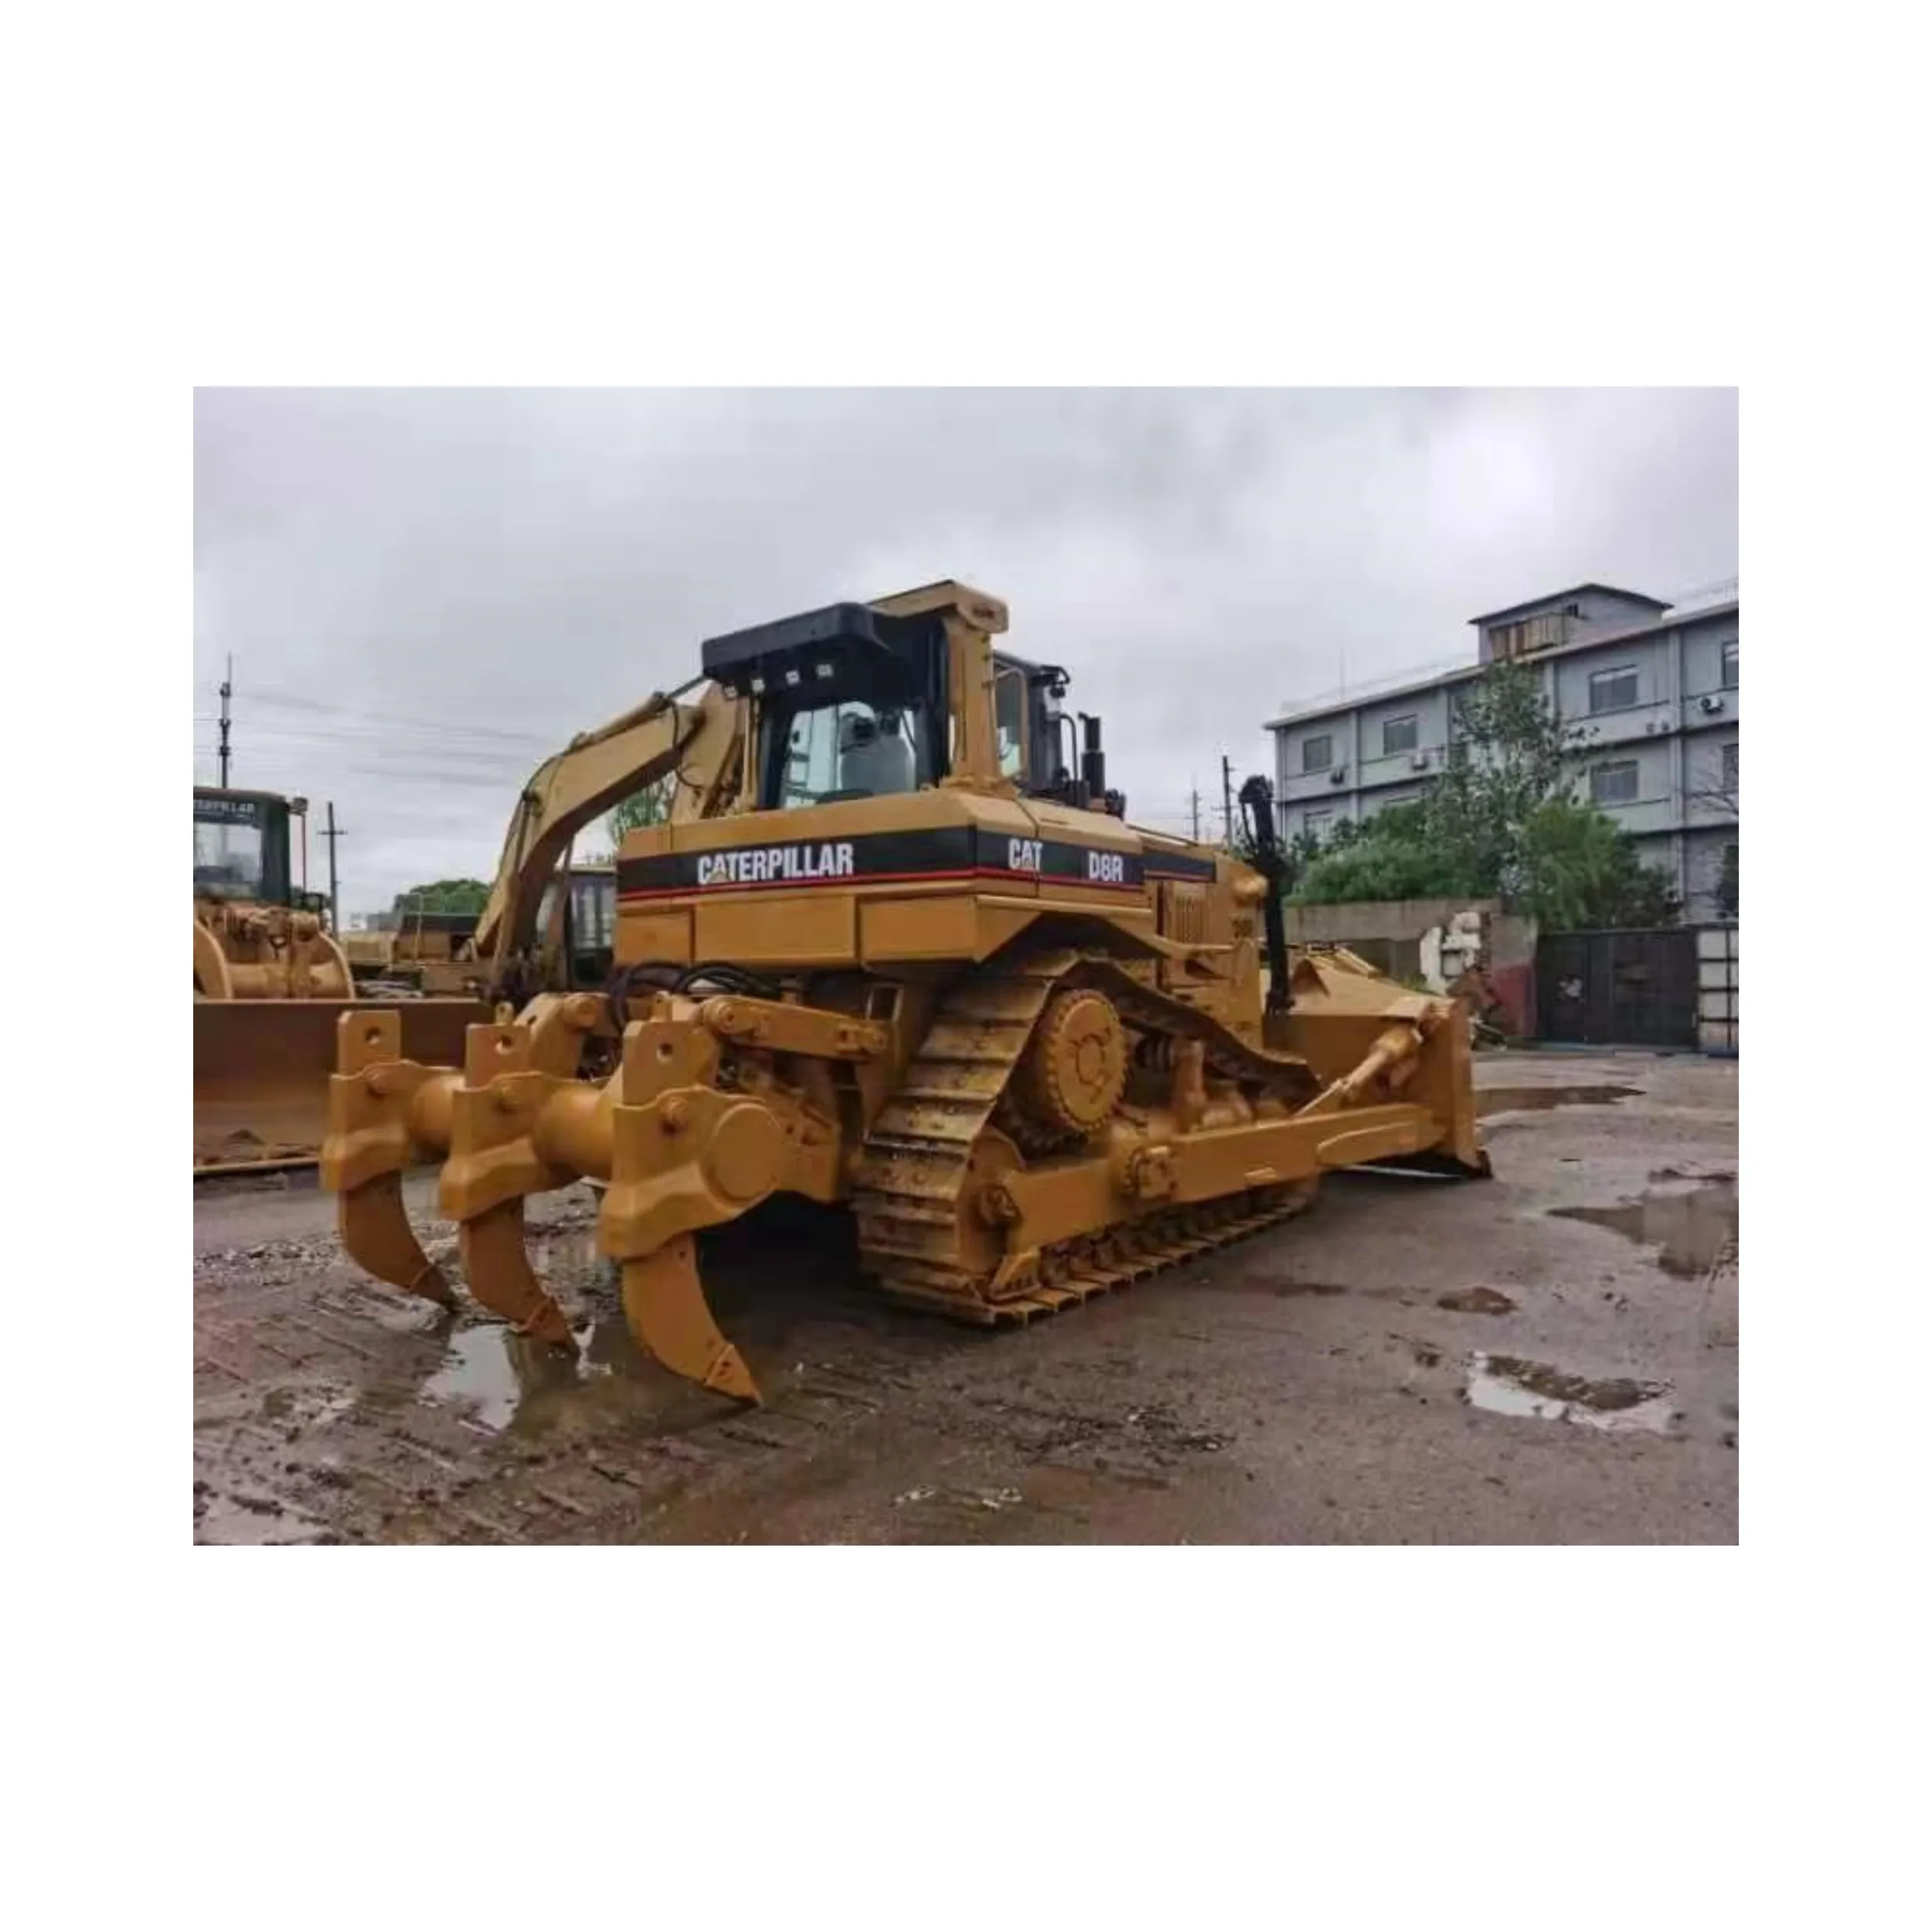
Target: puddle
x,y
1528,1099
1477,1301
500,1379
479,1374
1692,1230
1507,1386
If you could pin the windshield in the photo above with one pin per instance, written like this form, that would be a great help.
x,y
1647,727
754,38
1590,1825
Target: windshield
x,y
850,748
228,846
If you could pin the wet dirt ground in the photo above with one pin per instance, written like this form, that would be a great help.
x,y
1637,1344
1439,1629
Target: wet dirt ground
x,y
1549,1356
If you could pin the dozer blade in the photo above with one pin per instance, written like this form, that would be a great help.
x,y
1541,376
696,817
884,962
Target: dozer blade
x,y
498,1268
376,1233
262,1069
664,1304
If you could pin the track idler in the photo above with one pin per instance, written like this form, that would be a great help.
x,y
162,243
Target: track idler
x,y
677,1153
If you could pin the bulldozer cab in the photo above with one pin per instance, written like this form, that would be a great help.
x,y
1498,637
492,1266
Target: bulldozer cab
x,y
241,846
867,701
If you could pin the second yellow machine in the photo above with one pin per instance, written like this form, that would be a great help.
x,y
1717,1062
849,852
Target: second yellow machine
x,y
897,948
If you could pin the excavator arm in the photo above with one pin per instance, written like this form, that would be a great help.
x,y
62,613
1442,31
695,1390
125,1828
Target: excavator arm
x,y
700,743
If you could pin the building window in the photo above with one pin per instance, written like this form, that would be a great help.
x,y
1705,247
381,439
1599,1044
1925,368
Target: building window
x,y
1728,658
1614,784
1614,690
1573,610
1316,824
1398,734
1730,767
1317,753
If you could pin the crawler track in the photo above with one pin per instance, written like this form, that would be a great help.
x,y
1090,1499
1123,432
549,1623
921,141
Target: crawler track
x,y
932,1140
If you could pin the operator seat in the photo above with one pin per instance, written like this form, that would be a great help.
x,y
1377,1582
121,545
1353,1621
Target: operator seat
x,y
874,759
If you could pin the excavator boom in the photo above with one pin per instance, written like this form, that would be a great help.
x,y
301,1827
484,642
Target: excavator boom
x,y
699,746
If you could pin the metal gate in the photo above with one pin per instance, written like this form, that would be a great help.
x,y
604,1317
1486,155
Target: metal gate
x,y
1618,988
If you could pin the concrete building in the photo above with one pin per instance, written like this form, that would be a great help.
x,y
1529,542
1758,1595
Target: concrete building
x,y
1652,690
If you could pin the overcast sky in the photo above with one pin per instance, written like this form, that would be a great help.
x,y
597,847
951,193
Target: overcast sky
x,y
425,592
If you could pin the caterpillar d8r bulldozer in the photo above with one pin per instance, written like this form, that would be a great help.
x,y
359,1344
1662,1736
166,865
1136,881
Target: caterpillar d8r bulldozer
x,y
907,957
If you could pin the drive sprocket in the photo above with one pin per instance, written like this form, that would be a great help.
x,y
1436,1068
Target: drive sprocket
x,y
1072,1076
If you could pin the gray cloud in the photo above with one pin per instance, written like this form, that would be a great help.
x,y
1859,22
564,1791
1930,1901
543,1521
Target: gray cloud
x,y
427,591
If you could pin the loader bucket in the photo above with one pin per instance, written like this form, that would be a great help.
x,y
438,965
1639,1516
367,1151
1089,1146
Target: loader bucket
x,y
262,1069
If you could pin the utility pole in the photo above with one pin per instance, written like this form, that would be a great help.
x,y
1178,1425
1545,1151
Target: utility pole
x,y
333,833
1227,802
300,808
1194,809
227,690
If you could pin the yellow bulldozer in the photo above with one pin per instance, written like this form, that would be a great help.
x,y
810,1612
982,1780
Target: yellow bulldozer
x,y
897,950
271,982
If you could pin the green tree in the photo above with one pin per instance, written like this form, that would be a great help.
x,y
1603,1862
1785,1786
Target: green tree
x,y
1582,870
1395,855
649,807
444,895
1505,759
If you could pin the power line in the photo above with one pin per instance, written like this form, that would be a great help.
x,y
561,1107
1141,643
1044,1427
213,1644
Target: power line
x,y
278,696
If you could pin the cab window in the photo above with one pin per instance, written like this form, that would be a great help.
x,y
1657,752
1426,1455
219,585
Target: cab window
x,y
851,750
1009,721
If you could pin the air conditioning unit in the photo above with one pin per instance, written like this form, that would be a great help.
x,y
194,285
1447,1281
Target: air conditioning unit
x,y
1710,705
1339,775
1419,762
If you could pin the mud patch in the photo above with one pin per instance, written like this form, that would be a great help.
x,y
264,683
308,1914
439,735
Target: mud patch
x,y
1282,1289
1508,1385
1694,1230
1477,1301
1529,1100
241,1518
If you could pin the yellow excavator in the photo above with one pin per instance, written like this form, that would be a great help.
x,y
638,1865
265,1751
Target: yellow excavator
x,y
271,983
897,950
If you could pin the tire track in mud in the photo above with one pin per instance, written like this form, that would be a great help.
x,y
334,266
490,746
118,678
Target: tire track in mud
x,y
327,1409
319,1417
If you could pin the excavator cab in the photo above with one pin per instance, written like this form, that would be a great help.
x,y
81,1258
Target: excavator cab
x,y
577,915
